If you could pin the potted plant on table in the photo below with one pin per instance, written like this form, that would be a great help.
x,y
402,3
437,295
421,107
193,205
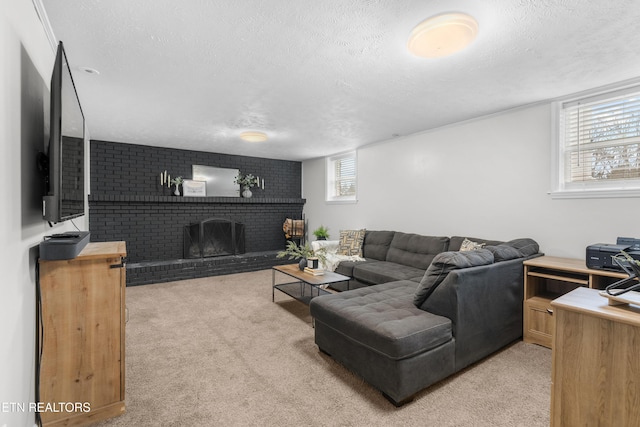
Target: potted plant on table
x,y
302,252
321,233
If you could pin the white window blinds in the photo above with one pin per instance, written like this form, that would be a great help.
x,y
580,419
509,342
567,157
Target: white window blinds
x,y
600,138
342,177
345,172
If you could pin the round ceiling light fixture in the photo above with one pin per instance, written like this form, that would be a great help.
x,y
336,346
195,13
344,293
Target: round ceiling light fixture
x,y
253,136
442,35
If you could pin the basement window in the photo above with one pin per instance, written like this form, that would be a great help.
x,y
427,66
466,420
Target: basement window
x,y
597,145
341,178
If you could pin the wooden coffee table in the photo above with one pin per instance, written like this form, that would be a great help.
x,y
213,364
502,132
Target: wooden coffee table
x,y
307,285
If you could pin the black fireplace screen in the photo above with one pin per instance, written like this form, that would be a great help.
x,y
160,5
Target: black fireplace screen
x,y
213,237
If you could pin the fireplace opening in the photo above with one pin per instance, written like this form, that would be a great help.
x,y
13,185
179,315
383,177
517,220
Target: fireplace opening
x,y
213,237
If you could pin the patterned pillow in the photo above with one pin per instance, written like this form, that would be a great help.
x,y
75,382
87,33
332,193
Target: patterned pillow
x,y
351,242
470,245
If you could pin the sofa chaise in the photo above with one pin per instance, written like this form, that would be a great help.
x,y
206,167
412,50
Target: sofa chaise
x,y
429,309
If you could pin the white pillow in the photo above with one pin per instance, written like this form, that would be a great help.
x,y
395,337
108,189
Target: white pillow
x,y
470,245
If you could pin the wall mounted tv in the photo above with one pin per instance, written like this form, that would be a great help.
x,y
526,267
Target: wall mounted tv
x,y
64,162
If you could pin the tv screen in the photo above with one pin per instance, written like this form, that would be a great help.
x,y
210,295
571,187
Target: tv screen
x,y
65,179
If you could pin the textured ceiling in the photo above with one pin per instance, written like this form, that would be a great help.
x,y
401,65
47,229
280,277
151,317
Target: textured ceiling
x,y
325,76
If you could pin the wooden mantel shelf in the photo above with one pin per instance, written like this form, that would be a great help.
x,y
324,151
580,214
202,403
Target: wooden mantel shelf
x,y
133,198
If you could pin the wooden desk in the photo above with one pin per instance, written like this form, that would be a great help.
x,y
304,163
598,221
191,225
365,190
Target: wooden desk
x,y
595,362
547,278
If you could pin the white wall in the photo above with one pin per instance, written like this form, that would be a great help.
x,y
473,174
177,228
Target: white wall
x,y
27,60
486,178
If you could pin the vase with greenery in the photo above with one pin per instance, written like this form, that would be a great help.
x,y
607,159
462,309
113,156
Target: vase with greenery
x,y
246,182
177,181
321,233
302,252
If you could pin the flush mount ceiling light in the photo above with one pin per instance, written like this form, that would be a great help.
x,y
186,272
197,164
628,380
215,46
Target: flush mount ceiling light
x,y
442,35
253,136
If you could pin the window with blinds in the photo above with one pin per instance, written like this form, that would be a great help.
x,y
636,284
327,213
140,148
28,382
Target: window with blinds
x,y
342,177
600,142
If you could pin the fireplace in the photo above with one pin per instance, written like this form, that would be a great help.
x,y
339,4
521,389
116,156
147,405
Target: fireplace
x,y
213,237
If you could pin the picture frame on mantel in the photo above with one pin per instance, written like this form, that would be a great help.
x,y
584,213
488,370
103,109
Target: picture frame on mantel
x,y
193,188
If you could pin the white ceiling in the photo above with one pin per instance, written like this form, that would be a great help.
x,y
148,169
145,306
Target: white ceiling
x,y
325,76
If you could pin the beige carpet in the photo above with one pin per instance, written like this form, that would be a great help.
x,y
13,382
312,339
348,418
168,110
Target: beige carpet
x,y
217,352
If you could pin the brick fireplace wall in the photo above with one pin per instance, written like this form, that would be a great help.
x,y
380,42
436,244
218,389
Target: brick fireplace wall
x,y
128,203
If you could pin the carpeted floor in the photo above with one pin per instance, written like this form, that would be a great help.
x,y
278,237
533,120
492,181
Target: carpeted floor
x,y
217,352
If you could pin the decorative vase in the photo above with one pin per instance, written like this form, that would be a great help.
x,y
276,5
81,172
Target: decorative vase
x,y
302,264
177,190
246,193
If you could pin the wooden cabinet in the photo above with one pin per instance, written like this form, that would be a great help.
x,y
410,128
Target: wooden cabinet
x,y
82,336
547,278
595,362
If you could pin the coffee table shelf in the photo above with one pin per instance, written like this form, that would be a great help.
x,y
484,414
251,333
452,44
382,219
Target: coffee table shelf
x,y
307,286
301,291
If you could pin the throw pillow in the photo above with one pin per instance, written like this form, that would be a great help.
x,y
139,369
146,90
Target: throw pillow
x,y
470,245
351,242
443,264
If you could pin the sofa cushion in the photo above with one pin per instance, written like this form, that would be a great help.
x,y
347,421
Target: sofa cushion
x,y
375,272
346,267
526,246
456,242
444,263
351,242
415,250
384,319
376,244
503,252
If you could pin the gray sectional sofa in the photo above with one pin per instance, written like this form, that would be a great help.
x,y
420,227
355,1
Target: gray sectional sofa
x,y
429,311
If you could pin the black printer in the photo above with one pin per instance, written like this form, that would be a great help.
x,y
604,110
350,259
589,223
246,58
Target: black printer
x,y
600,255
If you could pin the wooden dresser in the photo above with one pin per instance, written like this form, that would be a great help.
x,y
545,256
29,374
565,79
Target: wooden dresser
x,y
595,362
82,339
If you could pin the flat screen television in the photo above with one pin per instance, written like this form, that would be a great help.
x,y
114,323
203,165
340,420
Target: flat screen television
x,y
64,162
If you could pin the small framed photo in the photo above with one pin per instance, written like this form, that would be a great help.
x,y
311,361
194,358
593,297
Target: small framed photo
x,y
192,188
